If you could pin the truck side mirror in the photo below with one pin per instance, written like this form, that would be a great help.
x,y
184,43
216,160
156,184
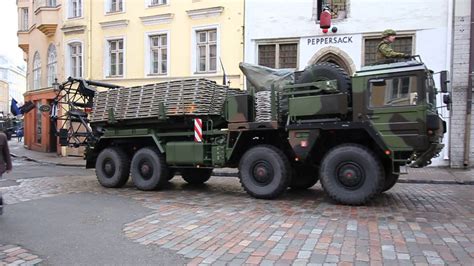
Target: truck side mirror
x,y
378,82
444,81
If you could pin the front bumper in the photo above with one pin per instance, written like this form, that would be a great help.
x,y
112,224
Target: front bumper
x,y
424,159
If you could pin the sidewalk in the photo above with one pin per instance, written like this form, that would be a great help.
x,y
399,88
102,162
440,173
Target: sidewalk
x,y
429,175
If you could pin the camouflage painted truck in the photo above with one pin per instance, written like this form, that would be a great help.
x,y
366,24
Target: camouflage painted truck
x,y
352,133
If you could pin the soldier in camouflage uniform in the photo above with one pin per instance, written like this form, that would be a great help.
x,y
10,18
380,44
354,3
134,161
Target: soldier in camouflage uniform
x,y
384,49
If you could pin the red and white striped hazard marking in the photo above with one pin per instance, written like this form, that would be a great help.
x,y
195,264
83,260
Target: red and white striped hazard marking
x,y
197,130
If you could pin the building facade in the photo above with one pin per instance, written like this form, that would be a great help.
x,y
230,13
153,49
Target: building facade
x,y
40,38
124,42
462,125
15,76
290,35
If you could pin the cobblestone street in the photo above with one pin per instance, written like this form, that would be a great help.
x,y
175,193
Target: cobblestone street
x,y
219,223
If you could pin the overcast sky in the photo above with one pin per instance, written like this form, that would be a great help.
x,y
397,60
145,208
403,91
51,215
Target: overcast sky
x,y
8,29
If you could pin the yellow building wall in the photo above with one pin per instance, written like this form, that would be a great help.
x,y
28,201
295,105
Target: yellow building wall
x,y
180,29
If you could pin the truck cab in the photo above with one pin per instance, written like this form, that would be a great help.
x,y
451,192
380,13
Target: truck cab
x,y
399,102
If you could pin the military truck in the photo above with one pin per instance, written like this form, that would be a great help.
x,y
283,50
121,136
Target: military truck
x,y
354,134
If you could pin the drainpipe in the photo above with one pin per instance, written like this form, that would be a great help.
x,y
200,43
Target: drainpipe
x,y
89,48
467,133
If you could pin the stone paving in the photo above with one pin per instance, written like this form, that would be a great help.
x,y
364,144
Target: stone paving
x,y
16,255
218,223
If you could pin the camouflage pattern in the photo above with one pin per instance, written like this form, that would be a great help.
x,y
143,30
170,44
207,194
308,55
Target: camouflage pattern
x,y
313,108
403,129
237,108
388,32
385,51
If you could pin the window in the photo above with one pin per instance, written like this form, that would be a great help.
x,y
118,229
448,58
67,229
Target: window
x,y
280,55
400,91
75,8
116,58
206,50
52,64
402,44
36,71
158,2
75,59
338,8
115,6
38,122
158,54
24,19
51,3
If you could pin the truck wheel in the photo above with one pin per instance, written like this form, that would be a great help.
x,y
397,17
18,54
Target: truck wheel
x,y
196,176
304,176
390,178
327,71
351,174
112,167
149,170
264,172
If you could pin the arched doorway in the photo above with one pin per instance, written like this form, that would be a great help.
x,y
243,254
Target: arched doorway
x,y
336,56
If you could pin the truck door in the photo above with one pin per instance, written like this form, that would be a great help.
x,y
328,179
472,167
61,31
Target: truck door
x,y
396,110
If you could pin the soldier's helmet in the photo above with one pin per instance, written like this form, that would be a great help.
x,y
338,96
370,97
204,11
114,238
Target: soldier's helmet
x,y
388,32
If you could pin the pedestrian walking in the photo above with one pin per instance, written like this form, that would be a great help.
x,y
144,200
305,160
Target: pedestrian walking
x,y
19,134
5,162
385,50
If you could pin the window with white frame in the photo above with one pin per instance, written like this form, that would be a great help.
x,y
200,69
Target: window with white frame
x,y
24,19
51,3
115,6
116,58
75,8
206,42
75,50
36,71
158,54
52,64
278,55
157,2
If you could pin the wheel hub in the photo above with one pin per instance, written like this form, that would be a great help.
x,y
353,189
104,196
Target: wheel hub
x,y
262,172
109,168
146,169
350,175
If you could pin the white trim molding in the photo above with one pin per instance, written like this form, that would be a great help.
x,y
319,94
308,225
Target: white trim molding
x,y
157,19
114,24
205,12
73,29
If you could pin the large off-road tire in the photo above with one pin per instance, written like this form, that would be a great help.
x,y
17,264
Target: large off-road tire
x,y
112,167
304,177
351,174
149,170
326,71
391,178
196,176
264,172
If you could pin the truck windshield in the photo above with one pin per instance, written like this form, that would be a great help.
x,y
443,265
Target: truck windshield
x,y
430,92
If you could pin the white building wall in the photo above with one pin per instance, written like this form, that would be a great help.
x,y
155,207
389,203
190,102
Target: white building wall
x,y
428,21
15,76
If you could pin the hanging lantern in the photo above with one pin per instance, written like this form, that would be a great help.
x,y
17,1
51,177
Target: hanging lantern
x,y
325,19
